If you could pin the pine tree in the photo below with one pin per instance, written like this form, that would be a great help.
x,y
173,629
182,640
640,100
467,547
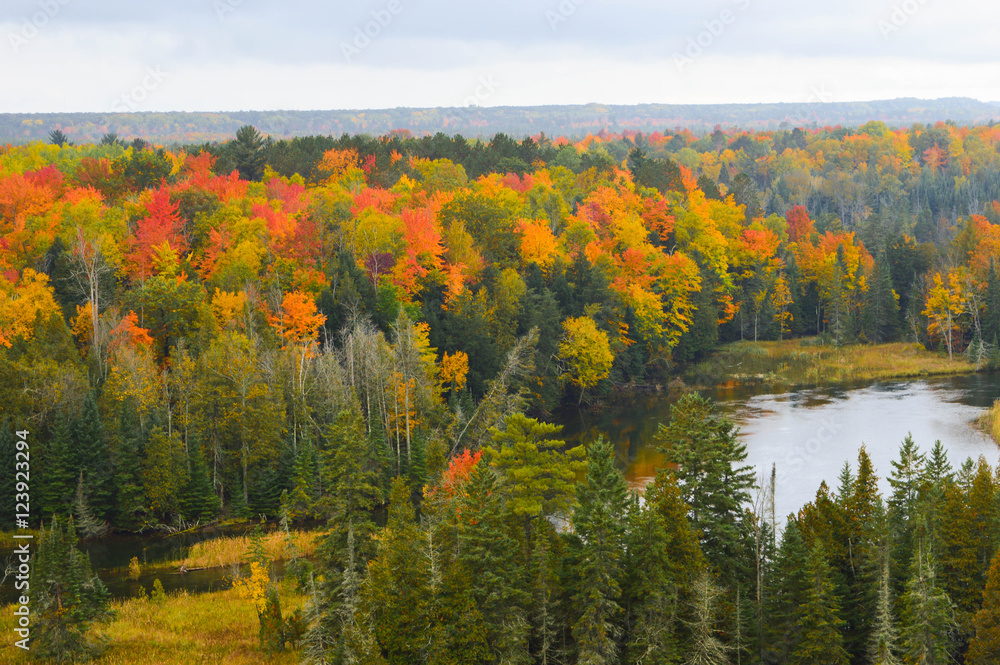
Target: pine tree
x,y
928,615
67,598
880,315
882,646
819,624
197,500
488,554
59,480
984,649
7,471
300,502
787,590
130,511
663,562
599,522
905,481
708,458
93,458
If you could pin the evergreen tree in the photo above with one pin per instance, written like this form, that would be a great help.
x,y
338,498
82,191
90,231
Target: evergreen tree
x,y
704,449
990,320
67,598
819,624
93,458
880,315
663,561
488,556
599,522
88,525
197,500
882,646
130,498
928,615
59,480
984,649
301,501
7,459
787,590
905,481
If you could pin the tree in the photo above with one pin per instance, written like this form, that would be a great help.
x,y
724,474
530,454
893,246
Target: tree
x,y
706,646
7,471
820,640
599,521
706,455
67,598
540,473
882,646
984,649
928,615
248,152
944,306
93,459
586,351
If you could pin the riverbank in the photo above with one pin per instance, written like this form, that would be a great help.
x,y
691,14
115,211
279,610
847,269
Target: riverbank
x,y
989,422
807,362
182,629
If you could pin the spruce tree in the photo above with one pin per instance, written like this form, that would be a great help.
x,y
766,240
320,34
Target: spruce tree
x,y
787,589
984,649
7,471
819,624
708,460
130,510
67,598
599,521
882,646
905,481
58,478
197,500
928,616
92,457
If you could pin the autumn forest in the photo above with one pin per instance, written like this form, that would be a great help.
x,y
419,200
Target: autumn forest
x,y
372,334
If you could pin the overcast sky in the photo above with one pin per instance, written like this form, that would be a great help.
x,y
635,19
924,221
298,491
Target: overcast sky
x,y
226,55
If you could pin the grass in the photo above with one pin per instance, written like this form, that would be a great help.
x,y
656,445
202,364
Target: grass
x,y
801,362
989,421
217,627
229,550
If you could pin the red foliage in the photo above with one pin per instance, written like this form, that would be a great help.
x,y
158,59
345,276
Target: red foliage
x,y
800,227
162,224
457,474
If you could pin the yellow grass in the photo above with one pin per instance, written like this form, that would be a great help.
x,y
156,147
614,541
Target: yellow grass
x,y
218,627
806,362
989,421
229,550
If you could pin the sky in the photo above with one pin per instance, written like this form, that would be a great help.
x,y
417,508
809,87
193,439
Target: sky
x,y
232,55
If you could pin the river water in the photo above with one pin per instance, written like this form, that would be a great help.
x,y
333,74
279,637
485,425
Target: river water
x,y
808,434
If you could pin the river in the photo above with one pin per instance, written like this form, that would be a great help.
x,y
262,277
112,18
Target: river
x,y
808,434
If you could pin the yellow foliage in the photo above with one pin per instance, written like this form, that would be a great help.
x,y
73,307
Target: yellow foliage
x,y
254,586
228,308
453,369
21,306
586,350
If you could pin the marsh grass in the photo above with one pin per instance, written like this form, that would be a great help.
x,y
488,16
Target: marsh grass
x,y
989,421
802,362
231,550
217,627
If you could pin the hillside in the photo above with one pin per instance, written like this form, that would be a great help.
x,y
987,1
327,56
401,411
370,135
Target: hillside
x,y
518,121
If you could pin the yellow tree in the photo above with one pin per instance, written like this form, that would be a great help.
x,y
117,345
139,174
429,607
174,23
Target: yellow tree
x,y
944,304
586,352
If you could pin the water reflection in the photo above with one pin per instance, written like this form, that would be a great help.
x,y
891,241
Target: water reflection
x,y
809,434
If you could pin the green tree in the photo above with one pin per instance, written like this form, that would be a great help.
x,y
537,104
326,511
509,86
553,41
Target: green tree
x,y
819,623
882,647
787,591
540,473
248,152
984,649
93,459
164,471
599,520
129,453
928,615
67,598
706,454
7,471
59,480
197,500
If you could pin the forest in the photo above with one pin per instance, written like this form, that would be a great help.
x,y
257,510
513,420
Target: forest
x,y
371,332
